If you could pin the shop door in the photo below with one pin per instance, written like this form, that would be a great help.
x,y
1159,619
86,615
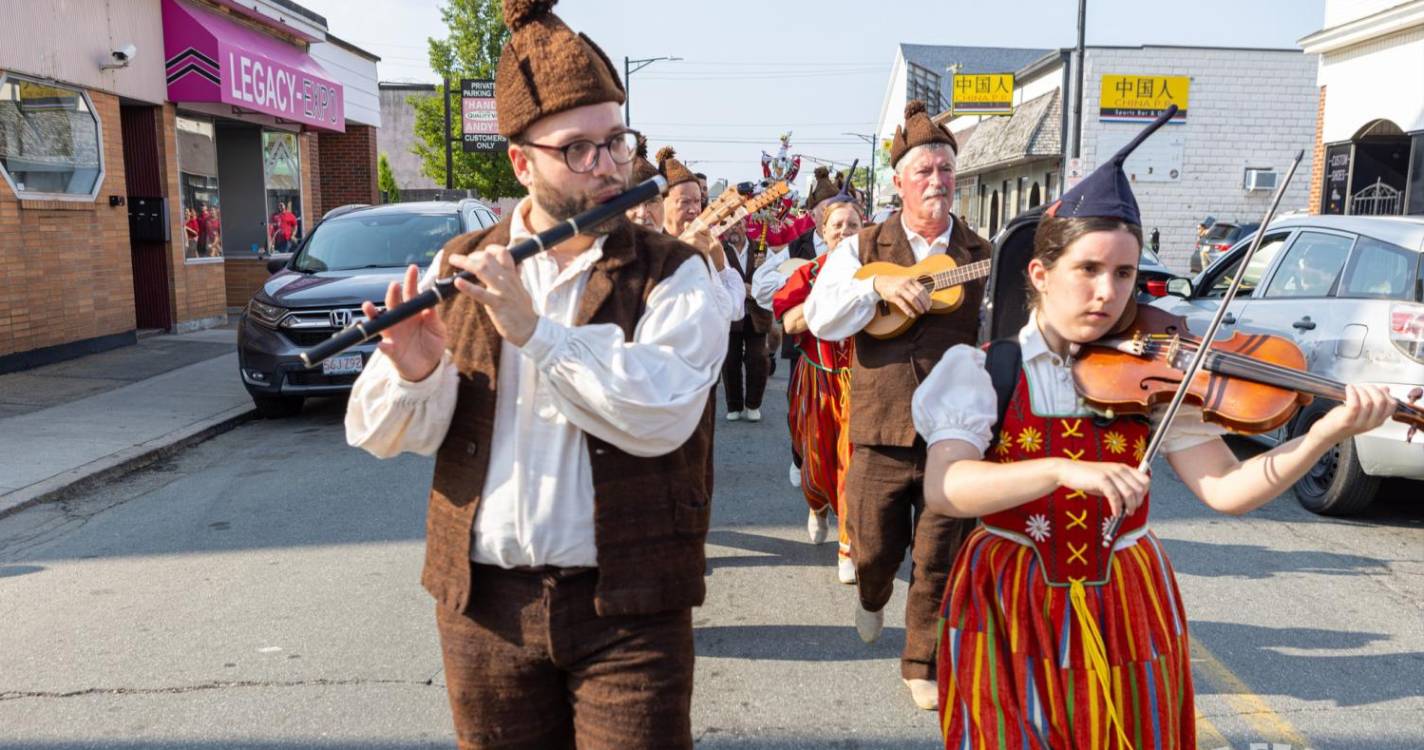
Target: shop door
x,y
148,217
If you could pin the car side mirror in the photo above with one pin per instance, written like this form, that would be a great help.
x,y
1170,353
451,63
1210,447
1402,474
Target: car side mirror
x,y
1179,287
276,264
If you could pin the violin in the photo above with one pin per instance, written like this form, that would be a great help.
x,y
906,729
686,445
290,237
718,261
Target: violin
x,y
1249,383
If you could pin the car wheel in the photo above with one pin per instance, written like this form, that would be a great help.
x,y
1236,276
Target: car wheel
x,y
1335,485
277,407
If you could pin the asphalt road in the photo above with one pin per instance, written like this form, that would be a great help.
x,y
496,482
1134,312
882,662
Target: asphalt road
x,y
261,591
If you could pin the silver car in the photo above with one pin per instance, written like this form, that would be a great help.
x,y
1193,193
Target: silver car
x,y
1348,290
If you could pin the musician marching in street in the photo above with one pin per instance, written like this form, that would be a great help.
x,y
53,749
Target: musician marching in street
x,y
819,387
1053,636
884,494
566,521
744,372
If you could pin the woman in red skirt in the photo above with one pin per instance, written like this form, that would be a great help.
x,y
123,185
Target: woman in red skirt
x,y
1049,639
820,390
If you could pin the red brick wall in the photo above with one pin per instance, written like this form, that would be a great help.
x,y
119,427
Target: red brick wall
x,y
348,168
65,268
1317,172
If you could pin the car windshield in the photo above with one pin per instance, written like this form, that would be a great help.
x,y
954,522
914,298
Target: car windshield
x,y
376,240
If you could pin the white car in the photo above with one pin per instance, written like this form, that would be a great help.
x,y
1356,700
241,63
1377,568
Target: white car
x,y
1349,290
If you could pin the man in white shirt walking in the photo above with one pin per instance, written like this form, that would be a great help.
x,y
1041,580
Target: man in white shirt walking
x,y
560,397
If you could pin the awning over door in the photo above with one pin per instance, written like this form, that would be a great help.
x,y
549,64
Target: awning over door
x,y
210,58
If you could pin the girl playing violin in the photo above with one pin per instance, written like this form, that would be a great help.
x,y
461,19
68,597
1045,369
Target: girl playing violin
x,y
1050,638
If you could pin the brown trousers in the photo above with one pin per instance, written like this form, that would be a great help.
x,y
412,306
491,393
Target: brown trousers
x,y
531,665
885,503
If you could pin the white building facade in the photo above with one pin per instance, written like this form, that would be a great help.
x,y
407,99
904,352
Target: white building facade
x,y
1370,125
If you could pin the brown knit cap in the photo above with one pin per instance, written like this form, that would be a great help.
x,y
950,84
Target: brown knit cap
x,y
823,188
547,68
673,169
918,130
642,168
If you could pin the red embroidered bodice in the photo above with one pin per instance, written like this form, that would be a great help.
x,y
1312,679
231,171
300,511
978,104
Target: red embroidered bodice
x,y
1066,527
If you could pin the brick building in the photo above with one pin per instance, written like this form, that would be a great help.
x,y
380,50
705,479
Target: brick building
x,y
1238,132
149,168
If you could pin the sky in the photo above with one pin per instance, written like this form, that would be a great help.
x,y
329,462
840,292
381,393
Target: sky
x,y
753,69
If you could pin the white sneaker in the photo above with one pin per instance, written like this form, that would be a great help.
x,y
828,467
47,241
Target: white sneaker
x,y
845,570
869,624
795,476
925,693
752,415
818,525
734,416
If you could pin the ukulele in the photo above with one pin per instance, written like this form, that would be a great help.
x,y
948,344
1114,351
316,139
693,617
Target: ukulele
x,y
938,274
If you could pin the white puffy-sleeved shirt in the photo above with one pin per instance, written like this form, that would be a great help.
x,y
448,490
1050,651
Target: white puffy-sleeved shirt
x,y
840,304
731,292
646,396
957,400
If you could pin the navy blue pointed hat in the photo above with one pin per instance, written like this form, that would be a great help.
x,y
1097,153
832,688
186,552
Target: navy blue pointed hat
x,y
845,196
1107,192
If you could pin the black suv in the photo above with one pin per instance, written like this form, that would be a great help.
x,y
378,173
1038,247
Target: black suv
x,y
349,258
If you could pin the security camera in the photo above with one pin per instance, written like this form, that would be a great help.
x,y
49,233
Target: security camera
x,y
121,57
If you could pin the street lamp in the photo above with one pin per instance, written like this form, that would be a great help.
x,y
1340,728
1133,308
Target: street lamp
x,y
869,183
628,71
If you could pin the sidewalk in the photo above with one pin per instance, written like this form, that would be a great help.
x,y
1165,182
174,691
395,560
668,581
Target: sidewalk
x,y
87,419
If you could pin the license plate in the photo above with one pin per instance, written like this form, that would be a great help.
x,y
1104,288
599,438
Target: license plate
x,y
344,364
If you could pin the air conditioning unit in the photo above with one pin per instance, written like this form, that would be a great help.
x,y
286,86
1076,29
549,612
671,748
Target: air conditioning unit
x,y
1260,178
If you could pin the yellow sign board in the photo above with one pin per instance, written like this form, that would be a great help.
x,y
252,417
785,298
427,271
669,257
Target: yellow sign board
x,y
1140,98
983,94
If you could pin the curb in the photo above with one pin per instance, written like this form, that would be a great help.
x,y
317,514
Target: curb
x,y
123,462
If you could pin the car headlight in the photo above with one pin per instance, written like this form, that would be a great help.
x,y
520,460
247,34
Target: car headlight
x,y
267,315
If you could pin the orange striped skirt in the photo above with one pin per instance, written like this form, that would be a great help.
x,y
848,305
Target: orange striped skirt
x,y
820,409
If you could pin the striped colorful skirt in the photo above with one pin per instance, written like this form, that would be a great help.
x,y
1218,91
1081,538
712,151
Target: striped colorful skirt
x,y
1023,665
820,409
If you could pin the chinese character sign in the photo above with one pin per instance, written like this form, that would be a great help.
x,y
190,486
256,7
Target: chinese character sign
x,y
479,123
1138,98
983,94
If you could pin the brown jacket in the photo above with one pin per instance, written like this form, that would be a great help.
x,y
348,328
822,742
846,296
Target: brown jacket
x,y
886,372
650,514
759,318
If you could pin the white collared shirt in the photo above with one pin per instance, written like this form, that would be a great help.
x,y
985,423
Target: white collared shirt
x,y
840,304
645,396
769,279
956,401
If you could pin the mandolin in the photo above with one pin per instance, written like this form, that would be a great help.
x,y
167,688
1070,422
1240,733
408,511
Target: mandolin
x,y
938,274
731,207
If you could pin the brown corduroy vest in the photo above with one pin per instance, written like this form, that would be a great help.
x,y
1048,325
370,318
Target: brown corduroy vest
x,y
886,372
650,514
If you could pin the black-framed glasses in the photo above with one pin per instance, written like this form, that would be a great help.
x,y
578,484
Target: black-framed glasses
x,y
582,155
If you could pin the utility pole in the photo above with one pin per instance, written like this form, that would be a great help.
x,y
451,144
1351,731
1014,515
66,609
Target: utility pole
x,y
449,140
870,179
628,71
1078,85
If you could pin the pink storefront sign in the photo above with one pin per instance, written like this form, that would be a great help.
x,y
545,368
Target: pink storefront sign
x,y
213,59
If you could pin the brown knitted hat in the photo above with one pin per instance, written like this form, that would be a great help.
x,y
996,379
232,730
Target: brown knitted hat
x,y
546,68
642,168
918,130
823,188
673,169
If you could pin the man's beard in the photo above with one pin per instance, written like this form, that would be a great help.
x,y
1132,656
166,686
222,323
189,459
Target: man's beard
x,y
561,206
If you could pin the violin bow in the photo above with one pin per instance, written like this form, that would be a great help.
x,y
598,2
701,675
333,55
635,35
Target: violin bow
x,y
1199,358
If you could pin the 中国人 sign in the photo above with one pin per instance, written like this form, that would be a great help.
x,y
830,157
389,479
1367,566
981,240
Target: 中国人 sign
x,y
1141,98
983,94
479,128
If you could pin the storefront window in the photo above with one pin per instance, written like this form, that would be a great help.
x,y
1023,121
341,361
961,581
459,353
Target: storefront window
x,y
281,169
49,139
198,182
